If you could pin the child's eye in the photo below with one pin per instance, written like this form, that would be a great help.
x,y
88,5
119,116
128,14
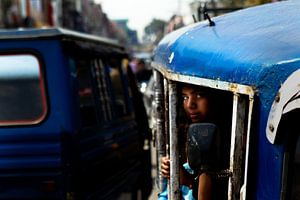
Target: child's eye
x,y
184,98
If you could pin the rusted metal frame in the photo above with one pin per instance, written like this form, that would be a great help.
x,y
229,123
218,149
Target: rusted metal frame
x,y
211,83
174,193
159,127
244,187
236,151
237,122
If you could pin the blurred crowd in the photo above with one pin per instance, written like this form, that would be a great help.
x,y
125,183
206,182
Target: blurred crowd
x,y
143,73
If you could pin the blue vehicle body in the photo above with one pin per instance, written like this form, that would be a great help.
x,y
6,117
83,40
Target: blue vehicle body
x,y
56,157
258,47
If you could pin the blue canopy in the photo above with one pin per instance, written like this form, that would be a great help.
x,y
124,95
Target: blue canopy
x,y
251,46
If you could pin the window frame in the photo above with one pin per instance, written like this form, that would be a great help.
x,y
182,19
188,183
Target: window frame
x,y
124,87
243,102
42,87
102,90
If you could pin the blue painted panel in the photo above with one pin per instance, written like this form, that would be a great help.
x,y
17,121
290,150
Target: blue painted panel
x,y
40,146
57,82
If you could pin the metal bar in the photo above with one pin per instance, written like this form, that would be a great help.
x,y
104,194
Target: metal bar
x,y
100,85
105,90
159,128
174,193
167,119
244,187
166,98
238,127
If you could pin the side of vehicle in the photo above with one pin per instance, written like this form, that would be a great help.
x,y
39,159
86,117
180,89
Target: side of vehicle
x,y
250,61
68,123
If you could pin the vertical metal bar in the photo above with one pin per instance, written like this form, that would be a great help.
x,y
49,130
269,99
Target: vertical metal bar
x,y
174,192
244,187
100,88
166,98
167,120
159,128
105,90
236,153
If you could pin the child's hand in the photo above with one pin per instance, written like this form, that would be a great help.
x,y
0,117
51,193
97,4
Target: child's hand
x,y
165,167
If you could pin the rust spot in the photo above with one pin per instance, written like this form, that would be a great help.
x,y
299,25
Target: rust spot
x,y
277,98
271,127
250,90
233,87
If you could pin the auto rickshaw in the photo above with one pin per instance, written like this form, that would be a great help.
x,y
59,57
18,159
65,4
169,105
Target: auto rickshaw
x,y
251,59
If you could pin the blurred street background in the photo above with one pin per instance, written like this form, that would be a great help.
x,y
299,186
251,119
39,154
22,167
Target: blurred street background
x,y
137,24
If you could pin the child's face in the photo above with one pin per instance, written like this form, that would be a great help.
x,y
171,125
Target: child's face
x,y
195,103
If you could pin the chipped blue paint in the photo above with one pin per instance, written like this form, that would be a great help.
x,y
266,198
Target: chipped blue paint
x,y
259,47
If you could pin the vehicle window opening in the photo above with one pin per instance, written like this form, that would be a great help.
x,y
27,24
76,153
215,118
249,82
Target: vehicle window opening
x,y
116,83
232,113
22,97
221,103
86,97
220,114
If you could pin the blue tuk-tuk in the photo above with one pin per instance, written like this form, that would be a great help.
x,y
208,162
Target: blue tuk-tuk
x,y
251,60
72,123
